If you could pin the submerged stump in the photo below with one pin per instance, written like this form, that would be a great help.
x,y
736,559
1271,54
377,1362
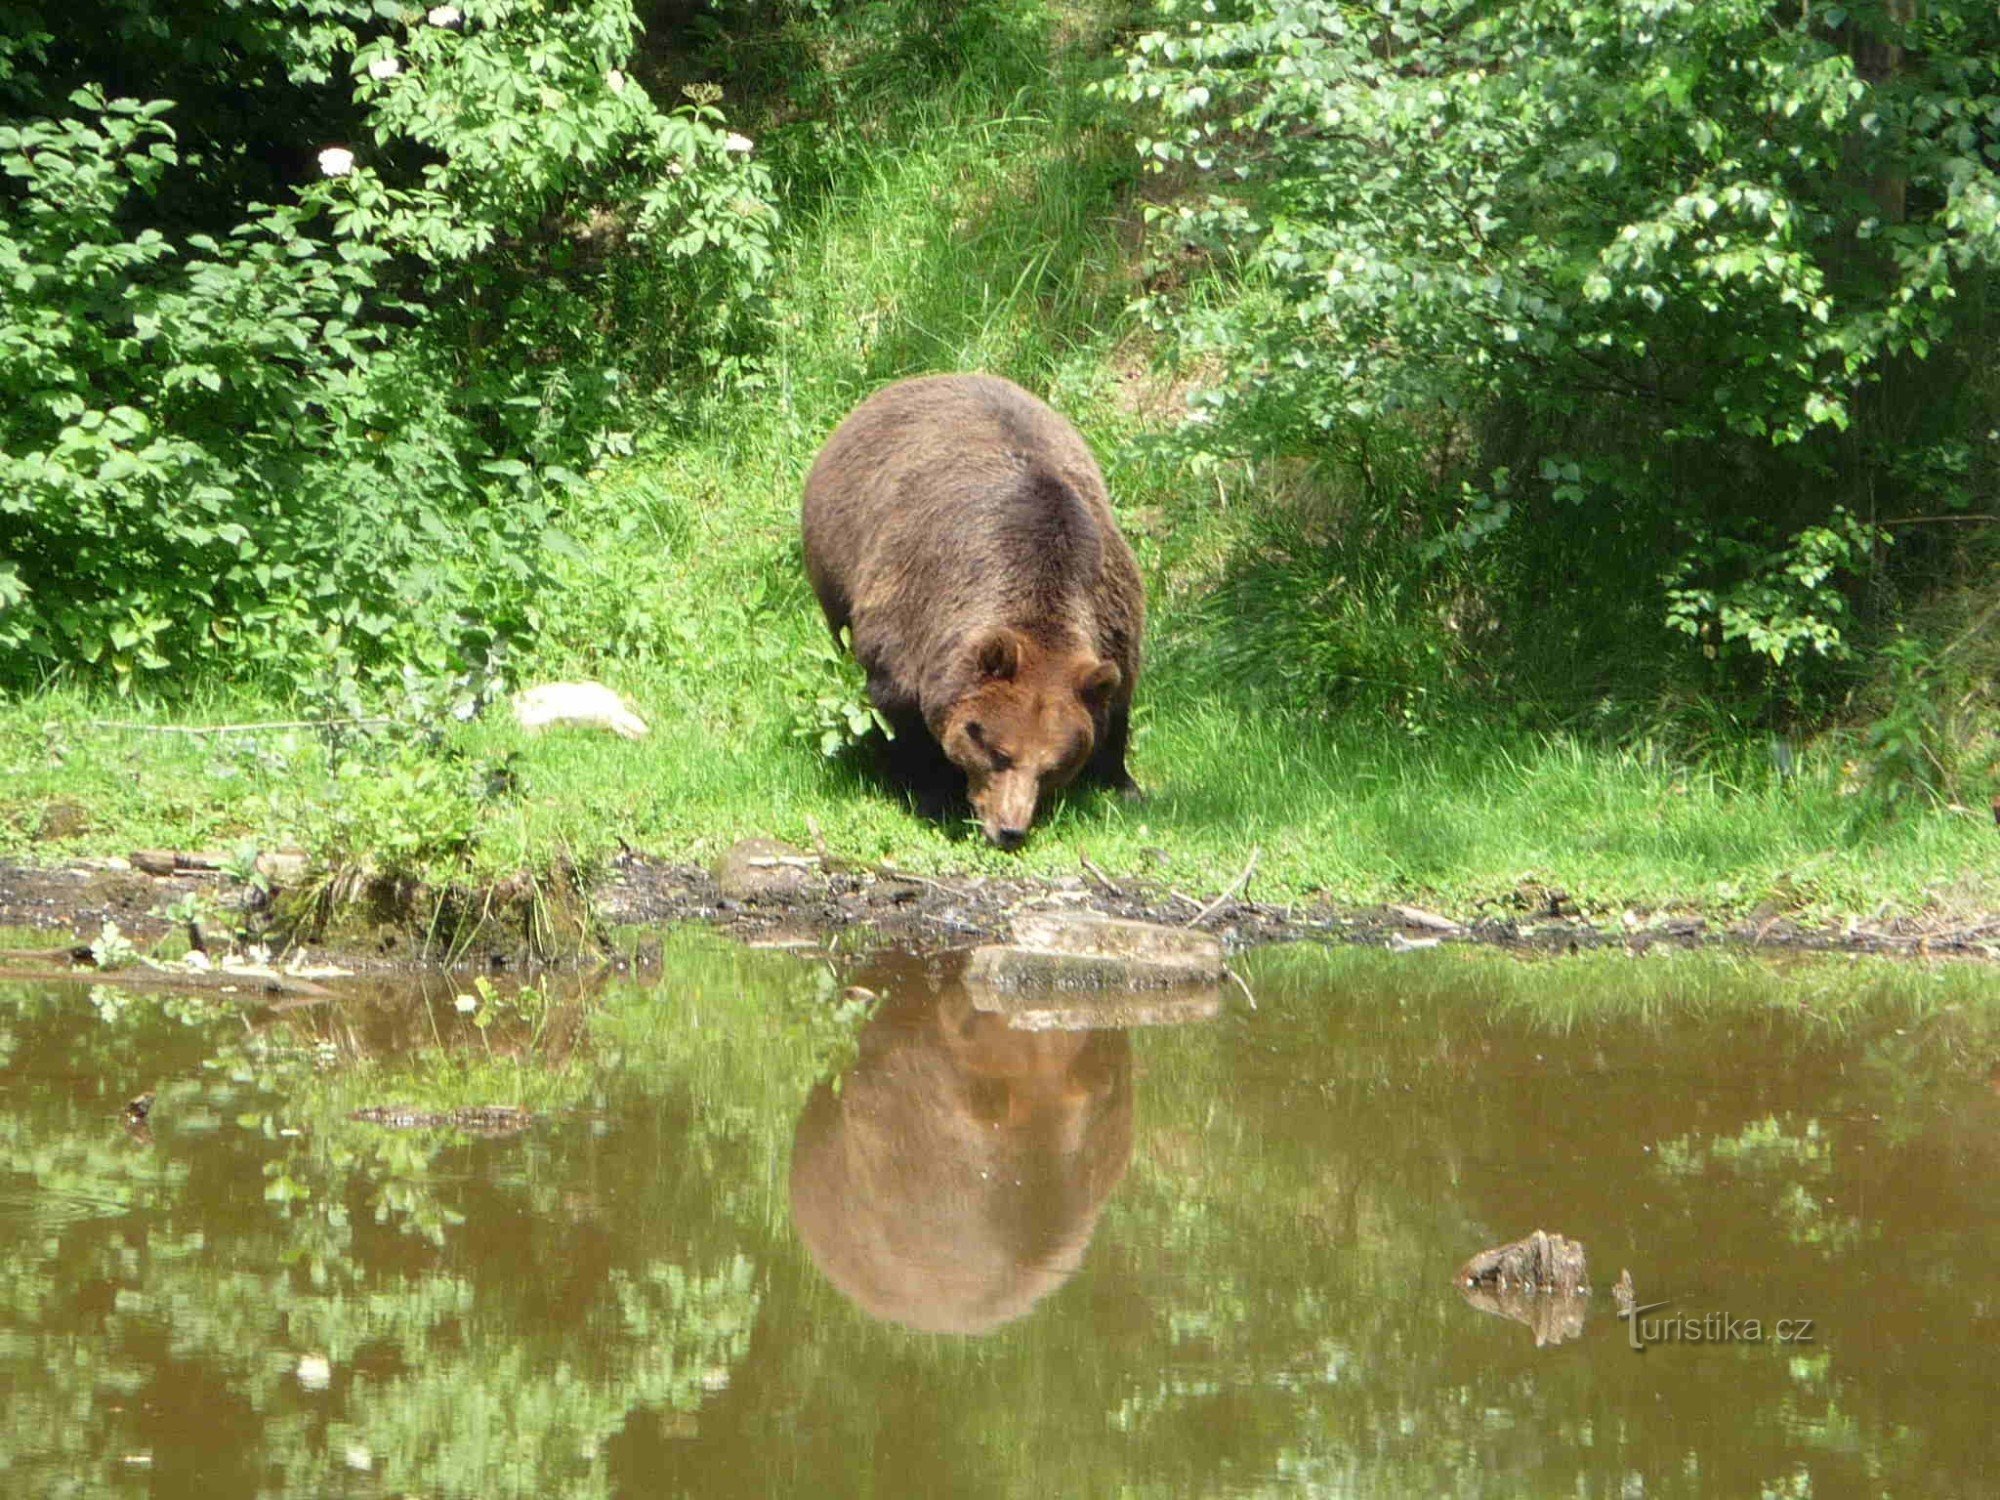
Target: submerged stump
x,y
1541,1282
1542,1262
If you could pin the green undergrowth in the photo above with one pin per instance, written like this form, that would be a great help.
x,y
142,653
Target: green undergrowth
x,y
984,225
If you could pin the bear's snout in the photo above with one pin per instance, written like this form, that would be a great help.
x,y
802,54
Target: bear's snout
x,y
1005,806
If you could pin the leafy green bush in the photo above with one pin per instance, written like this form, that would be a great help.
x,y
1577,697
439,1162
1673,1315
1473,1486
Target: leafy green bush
x,y
1663,289
339,424
830,707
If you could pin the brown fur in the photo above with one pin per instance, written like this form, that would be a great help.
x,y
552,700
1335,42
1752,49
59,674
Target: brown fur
x,y
960,528
955,1175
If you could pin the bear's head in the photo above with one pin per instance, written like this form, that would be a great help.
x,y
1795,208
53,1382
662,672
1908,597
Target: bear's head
x,y
1021,720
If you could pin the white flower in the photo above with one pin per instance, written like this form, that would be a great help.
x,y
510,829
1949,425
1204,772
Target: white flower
x,y
384,67
359,1458
466,1004
615,81
336,161
674,169
735,142
444,15
315,1371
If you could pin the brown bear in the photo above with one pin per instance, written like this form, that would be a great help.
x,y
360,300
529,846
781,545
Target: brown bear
x,y
960,529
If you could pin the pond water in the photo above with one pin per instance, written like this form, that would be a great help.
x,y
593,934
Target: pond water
x,y
764,1235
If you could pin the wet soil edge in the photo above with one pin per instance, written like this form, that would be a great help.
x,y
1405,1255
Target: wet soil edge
x,y
377,926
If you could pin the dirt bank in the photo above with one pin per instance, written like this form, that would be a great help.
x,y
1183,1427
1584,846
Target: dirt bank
x,y
797,901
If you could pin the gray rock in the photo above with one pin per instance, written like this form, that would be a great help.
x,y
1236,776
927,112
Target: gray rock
x,y
759,869
1087,934
1069,951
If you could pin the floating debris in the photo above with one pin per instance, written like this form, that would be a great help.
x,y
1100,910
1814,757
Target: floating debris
x,y
134,1117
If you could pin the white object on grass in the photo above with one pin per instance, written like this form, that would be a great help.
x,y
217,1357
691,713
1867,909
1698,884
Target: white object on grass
x,y
588,705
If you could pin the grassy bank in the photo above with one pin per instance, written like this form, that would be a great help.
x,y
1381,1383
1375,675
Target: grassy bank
x,y
988,226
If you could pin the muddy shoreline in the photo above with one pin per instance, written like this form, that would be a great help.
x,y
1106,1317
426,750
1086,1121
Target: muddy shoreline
x,y
379,926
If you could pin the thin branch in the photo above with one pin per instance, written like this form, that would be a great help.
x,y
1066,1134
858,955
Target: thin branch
x,y
1101,878
1234,886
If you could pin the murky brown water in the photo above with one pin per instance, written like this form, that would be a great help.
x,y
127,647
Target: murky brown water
x,y
756,1244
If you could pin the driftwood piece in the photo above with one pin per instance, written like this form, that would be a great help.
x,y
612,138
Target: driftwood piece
x,y
1229,893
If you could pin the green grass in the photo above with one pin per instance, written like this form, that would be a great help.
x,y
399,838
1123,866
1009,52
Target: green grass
x,y
975,231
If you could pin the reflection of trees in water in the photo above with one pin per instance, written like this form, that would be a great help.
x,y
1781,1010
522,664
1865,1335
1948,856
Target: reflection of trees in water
x,y
953,1176
271,1296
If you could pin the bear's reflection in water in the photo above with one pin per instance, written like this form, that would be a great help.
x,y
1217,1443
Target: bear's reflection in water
x,y
956,1177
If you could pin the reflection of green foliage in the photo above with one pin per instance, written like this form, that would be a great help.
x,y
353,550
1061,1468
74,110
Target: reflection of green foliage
x,y
1765,1149
1808,1221
251,1248
1762,1145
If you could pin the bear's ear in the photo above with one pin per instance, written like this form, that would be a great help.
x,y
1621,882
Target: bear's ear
x,y
996,653
1098,682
